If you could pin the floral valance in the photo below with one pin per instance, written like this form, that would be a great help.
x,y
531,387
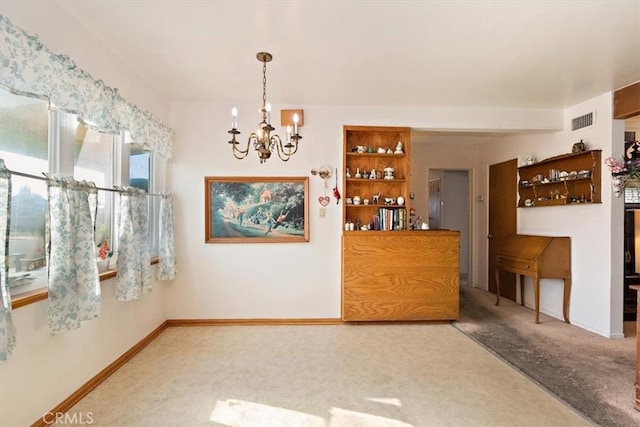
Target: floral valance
x,y
30,69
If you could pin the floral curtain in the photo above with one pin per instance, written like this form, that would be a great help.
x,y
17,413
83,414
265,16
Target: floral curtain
x,y
134,268
74,283
166,251
28,68
7,328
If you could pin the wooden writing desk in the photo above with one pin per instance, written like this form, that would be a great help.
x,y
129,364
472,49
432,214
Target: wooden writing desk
x,y
540,257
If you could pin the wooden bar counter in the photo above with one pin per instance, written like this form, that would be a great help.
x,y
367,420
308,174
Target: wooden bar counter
x,y
400,275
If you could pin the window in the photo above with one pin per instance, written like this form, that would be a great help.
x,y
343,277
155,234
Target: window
x,y
142,174
93,153
139,167
24,124
34,140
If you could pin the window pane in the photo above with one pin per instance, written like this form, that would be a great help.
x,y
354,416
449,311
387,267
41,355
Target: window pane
x,y
139,167
24,124
140,176
94,154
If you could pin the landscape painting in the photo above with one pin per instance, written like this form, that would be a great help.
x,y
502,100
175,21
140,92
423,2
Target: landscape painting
x,y
256,210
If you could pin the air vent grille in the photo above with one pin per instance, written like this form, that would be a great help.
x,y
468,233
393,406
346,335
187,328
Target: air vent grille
x,y
629,136
582,122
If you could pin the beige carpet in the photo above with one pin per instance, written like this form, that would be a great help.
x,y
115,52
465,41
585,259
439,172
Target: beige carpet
x,y
369,375
593,374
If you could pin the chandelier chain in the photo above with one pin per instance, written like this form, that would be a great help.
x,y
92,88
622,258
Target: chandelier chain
x,y
264,84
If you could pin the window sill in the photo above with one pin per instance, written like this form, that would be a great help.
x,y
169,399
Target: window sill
x,y
34,296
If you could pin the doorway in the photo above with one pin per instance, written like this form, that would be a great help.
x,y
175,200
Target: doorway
x,y
450,208
435,203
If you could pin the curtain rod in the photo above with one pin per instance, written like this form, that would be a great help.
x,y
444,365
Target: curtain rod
x,y
43,178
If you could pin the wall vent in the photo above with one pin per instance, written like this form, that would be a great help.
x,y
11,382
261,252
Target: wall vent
x,y
629,136
582,121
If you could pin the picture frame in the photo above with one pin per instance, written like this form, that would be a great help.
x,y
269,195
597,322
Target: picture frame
x,y
256,209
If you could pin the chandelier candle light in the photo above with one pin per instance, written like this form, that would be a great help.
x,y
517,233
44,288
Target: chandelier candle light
x,y
262,140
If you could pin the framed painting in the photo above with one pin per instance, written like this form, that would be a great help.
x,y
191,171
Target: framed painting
x,y
256,210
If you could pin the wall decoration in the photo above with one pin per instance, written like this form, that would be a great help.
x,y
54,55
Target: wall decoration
x,y
256,210
325,172
578,147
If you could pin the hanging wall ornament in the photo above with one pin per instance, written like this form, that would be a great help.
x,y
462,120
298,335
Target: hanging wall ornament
x,y
336,192
324,172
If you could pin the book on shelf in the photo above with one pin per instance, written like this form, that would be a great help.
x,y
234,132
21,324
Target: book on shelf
x,y
390,219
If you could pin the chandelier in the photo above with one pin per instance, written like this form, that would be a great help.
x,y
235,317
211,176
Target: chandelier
x,y
263,141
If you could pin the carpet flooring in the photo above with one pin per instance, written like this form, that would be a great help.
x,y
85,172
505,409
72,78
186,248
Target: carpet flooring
x,y
593,374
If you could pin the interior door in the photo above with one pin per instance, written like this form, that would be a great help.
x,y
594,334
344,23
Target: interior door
x,y
435,203
502,220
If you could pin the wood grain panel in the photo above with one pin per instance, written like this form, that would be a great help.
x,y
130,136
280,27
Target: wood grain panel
x,y
626,102
401,276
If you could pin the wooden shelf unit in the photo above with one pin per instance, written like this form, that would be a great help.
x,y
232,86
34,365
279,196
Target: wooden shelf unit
x,y
575,188
375,137
393,274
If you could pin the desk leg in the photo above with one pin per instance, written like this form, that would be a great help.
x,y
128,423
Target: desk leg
x,y
565,299
536,292
497,286
522,289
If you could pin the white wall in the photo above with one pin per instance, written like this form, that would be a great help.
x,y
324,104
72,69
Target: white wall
x,y
45,370
299,280
62,34
303,280
596,230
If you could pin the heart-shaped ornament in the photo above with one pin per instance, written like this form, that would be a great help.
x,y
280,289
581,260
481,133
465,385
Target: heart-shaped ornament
x,y
324,200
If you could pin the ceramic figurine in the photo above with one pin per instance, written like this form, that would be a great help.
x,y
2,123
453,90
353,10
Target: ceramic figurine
x,y
376,198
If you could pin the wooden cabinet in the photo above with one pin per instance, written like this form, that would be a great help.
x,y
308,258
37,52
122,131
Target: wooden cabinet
x,y
372,150
403,275
388,272
561,180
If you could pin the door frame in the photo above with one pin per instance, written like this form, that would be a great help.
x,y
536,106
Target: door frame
x,y
471,212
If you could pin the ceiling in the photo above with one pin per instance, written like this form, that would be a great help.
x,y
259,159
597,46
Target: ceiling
x,y
445,54
431,54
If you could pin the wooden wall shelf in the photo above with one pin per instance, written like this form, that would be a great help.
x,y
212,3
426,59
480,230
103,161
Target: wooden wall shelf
x,y
578,182
375,138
